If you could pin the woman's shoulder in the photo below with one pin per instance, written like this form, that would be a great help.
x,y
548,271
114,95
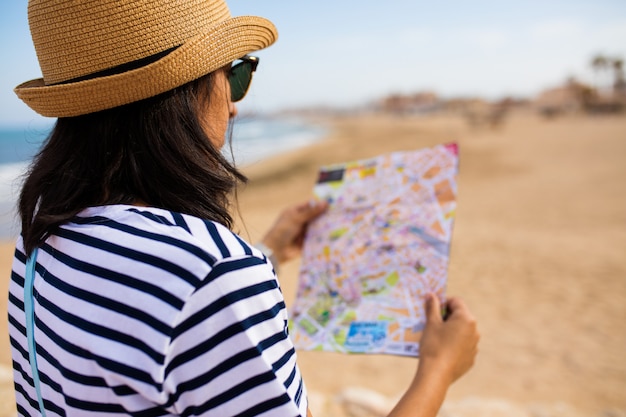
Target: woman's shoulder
x,y
144,226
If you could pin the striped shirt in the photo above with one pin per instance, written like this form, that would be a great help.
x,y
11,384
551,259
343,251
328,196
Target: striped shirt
x,y
147,312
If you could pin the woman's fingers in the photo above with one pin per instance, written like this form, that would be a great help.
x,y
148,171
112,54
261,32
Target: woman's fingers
x,y
286,235
433,309
449,344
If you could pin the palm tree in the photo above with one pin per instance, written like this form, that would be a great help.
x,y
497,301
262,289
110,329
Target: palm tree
x,y
600,63
619,83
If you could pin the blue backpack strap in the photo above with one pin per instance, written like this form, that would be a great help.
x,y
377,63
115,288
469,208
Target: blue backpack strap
x,y
29,310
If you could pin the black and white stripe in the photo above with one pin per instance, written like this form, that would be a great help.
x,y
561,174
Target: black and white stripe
x,y
144,312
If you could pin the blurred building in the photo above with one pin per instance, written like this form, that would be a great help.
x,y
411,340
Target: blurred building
x,y
576,97
422,102
568,98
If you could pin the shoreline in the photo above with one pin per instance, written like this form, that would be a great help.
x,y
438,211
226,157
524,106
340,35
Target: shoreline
x,y
254,140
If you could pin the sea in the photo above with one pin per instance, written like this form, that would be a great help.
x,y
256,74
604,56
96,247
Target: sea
x,y
253,140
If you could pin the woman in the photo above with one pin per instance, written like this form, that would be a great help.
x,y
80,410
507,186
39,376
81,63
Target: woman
x,y
130,295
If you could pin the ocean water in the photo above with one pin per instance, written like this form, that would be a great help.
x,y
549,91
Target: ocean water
x,y
258,139
253,140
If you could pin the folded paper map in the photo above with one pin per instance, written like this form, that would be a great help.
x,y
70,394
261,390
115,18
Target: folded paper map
x,y
384,243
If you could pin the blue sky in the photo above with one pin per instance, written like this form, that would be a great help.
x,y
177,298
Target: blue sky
x,y
348,52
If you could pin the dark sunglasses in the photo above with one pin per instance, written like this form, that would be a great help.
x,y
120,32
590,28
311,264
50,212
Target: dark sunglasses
x,y
240,76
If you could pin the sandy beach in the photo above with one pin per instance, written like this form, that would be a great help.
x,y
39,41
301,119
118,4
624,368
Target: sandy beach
x,y
538,253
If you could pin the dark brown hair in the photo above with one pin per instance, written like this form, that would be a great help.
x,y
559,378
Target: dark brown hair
x,y
154,151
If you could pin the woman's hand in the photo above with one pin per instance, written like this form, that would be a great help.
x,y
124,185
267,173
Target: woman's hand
x,y
449,345
447,351
286,236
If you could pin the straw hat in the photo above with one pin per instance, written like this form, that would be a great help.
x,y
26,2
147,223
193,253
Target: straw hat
x,y
99,54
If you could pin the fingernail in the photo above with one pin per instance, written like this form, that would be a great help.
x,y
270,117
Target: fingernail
x,y
313,203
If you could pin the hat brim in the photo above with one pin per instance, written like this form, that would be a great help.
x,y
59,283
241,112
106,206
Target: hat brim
x,y
200,55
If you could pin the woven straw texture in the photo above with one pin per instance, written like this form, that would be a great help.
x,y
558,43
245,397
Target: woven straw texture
x,y
77,38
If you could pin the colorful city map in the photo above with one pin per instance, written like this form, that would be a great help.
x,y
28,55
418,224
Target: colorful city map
x,y
383,244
